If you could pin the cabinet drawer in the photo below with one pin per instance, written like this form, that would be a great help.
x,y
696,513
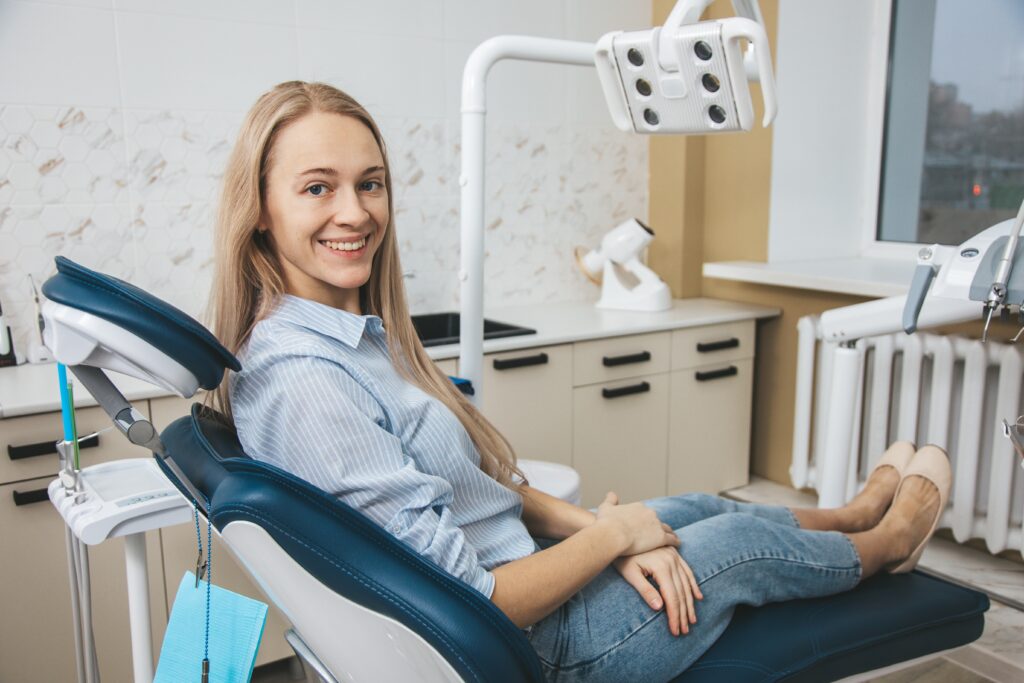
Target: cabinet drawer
x,y
698,346
36,632
528,396
607,360
27,443
709,427
620,435
448,366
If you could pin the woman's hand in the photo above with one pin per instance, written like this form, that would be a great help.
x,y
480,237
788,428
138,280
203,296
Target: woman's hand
x,y
642,528
676,588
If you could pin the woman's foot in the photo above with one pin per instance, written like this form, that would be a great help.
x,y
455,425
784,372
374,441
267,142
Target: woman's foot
x,y
868,508
917,508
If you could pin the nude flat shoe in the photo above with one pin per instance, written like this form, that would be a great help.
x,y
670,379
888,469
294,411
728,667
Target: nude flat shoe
x,y
897,456
931,463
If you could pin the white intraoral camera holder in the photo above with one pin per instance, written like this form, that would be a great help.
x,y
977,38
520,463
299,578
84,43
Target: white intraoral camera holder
x,y
688,76
626,283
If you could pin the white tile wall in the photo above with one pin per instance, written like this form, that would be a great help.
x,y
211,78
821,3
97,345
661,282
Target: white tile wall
x,y
117,116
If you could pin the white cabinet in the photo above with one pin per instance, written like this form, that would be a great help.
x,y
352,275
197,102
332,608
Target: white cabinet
x,y
620,435
36,636
620,416
711,403
528,397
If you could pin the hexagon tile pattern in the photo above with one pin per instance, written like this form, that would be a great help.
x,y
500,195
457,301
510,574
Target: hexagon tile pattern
x,y
133,194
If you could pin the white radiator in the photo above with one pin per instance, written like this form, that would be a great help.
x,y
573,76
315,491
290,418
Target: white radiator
x,y
924,388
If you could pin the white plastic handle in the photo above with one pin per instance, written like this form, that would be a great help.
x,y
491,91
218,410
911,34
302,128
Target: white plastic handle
x,y
736,29
611,84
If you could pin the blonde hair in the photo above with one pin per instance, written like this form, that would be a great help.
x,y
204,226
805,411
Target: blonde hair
x,y
247,276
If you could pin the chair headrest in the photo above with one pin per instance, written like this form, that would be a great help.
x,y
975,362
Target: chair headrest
x,y
154,321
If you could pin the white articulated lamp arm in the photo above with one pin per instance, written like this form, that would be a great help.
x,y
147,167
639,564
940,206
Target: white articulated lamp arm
x,y
723,107
471,181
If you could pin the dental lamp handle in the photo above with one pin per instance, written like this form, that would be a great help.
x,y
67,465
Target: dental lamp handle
x,y
737,29
928,263
923,276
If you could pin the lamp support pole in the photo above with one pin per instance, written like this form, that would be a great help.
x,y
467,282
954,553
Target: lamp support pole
x,y
471,180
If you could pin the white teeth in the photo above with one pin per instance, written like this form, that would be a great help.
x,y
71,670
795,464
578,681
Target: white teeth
x,y
345,246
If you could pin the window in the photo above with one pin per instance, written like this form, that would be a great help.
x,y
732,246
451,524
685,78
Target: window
x,y
953,149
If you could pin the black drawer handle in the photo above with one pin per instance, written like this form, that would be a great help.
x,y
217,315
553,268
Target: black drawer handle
x,y
29,497
521,362
612,361
706,347
717,374
641,388
32,450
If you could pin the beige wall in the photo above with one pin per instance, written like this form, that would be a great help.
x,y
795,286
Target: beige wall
x,y
709,202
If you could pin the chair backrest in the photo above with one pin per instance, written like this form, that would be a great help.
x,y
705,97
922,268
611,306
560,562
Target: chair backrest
x,y
361,599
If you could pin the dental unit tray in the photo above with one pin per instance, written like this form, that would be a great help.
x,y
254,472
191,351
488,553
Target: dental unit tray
x,y
120,497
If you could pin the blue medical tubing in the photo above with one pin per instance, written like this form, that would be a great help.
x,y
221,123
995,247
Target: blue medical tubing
x,y
65,402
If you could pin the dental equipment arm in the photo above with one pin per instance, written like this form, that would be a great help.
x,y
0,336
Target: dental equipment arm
x,y
725,108
131,422
997,293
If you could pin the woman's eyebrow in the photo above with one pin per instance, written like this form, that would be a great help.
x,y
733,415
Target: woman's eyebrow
x,y
317,171
373,169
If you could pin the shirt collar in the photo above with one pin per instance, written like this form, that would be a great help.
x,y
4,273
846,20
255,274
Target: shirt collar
x,y
336,323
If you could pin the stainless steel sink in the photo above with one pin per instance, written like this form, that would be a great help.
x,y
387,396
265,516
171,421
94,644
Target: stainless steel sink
x,y
438,329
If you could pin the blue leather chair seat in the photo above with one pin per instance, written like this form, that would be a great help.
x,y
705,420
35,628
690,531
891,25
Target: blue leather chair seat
x,y
883,621
139,312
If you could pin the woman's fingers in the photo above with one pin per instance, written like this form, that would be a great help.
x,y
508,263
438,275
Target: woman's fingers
x,y
635,577
692,579
687,591
669,588
671,539
683,596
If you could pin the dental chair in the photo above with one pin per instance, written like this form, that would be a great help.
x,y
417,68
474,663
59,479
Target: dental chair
x,y
363,606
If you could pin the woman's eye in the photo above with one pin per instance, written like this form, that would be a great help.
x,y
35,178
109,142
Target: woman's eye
x,y
372,185
317,190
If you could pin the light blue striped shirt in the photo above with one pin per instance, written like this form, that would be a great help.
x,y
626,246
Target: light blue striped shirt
x,y
318,396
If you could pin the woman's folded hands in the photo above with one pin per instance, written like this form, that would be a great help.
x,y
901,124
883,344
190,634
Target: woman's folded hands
x,y
652,563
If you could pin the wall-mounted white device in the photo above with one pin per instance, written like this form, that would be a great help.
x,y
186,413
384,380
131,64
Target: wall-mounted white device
x,y
688,76
626,283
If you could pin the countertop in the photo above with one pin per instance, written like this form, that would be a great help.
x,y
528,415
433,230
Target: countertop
x,y
30,389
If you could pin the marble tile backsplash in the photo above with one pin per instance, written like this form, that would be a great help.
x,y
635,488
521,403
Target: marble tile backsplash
x,y
134,194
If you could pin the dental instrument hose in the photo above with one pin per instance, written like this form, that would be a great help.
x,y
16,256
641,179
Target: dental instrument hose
x,y
87,663
207,569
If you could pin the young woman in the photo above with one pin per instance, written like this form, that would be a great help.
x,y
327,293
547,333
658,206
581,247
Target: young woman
x,y
337,389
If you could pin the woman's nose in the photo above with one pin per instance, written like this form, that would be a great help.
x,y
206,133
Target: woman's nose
x,y
349,209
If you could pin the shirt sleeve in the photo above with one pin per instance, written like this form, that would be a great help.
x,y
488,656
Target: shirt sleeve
x,y
308,416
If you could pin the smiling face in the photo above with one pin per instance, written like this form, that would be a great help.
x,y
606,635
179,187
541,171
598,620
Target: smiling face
x,y
326,207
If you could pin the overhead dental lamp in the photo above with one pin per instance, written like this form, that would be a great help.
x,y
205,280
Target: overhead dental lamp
x,y
688,76
626,283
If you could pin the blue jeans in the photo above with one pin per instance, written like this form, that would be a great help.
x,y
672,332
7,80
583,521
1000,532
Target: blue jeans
x,y
740,554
